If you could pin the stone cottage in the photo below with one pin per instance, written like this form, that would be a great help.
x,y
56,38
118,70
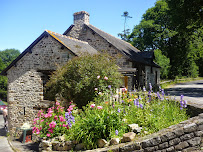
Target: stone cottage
x,y
29,72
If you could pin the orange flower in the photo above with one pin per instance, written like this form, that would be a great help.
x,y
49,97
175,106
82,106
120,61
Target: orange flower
x,y
130,100
106,102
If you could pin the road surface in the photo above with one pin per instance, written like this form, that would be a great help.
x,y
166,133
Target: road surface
x,y
4,146
192,91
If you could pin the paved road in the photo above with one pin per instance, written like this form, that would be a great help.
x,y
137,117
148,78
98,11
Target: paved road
x,y
192,91
4,146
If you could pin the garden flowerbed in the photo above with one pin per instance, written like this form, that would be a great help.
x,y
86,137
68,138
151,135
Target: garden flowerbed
x,y
118,119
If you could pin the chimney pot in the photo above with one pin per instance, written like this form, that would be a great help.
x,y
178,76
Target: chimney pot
x,y
81,17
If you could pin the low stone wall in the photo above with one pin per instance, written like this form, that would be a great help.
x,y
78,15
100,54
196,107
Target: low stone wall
x,y
185,136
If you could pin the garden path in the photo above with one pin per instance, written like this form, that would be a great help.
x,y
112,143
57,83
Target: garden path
x,y
192,91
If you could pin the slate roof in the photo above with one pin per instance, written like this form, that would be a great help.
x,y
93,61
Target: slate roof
x,y
74,45
147,54
124,47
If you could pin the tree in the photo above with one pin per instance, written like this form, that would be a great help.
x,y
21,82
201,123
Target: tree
x,y
162,61
6,57
9,55
162,28
76,81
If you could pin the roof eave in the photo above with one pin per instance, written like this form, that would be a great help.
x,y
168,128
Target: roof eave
x,y
28,49
69,29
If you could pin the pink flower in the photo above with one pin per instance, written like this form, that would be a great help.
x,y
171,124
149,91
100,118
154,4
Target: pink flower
x,y
98,76
55,117
42,120
48,115
51,130
37,131
99,107
70,108
92,105
62,118
40,113
124,89
48,135
50,111
33,130
57,103
64,125
105,78
35,120
52,124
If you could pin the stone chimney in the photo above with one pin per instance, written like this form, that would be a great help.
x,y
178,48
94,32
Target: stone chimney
x,y
81,18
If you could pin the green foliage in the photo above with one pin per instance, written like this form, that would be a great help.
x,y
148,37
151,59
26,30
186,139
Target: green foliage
x,y
51,123
174,27
156,114
162,61
110,118
76,81
95,123
6,57
9,55
151,111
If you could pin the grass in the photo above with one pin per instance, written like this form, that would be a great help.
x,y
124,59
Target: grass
x,y
168,83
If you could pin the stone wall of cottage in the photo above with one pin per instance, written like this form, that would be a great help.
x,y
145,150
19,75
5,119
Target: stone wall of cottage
x,y
25,83
152,76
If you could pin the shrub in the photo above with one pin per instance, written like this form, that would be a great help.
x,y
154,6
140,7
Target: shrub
x,y
162,61
76,81
52,123
98,121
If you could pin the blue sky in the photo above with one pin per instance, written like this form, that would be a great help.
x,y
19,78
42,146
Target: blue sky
x,y
22,21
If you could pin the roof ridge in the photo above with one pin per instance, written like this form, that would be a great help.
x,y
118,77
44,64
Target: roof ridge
x,y
51,32
111,35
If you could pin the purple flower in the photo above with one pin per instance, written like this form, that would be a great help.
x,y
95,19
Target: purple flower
x,y
141,106
160,88
150,86
149,99
144,89
136,102
183,104
181,97
162,91
116,132
70,119
119,110
109,86
158,95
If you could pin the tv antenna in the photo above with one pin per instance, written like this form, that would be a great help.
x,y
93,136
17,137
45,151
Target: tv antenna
x,y
126,16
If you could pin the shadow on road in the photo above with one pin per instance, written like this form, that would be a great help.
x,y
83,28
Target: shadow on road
x,y
190,92
2,132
